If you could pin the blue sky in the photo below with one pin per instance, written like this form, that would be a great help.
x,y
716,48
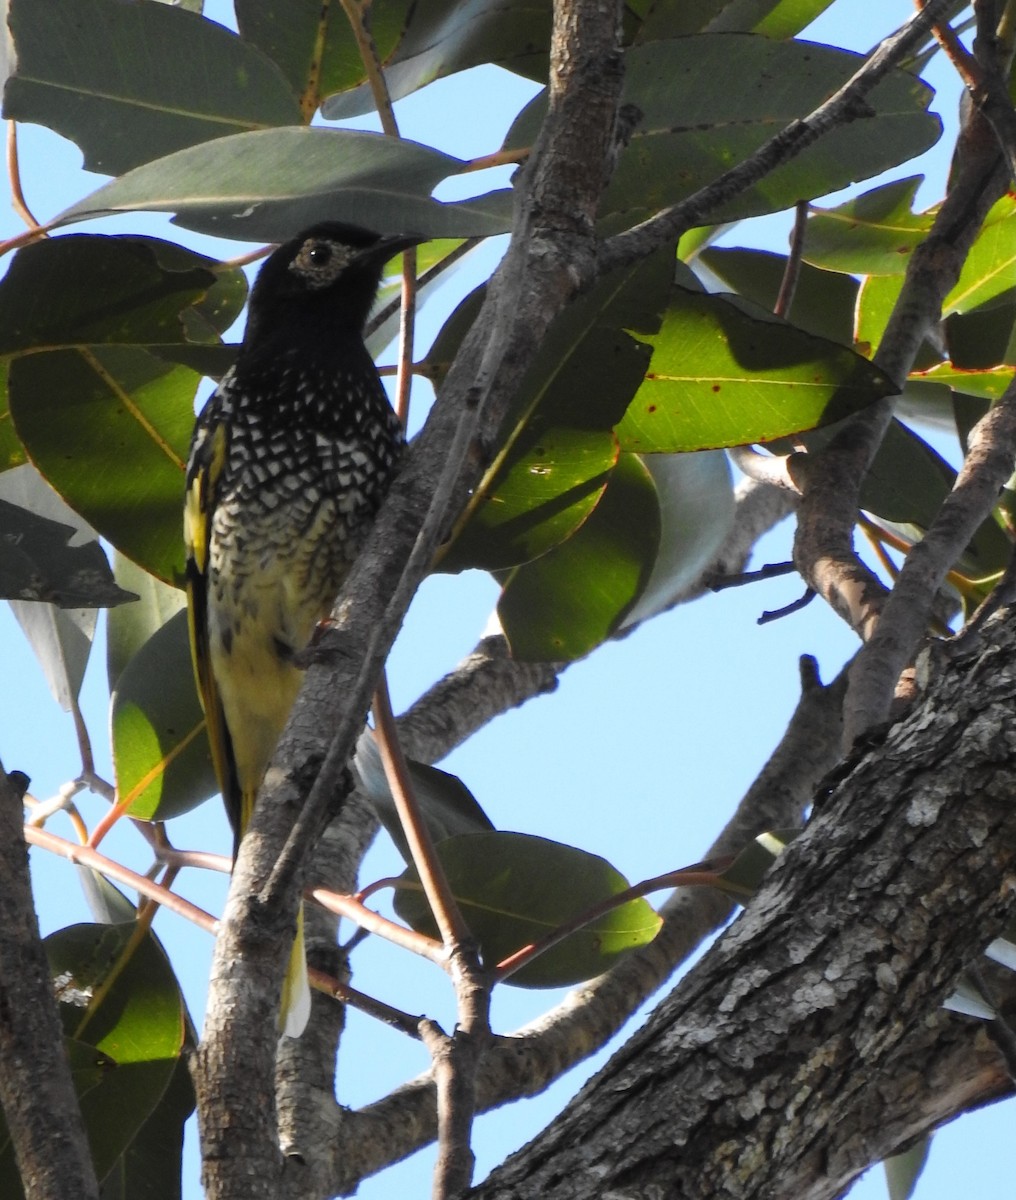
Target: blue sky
x,y
640,755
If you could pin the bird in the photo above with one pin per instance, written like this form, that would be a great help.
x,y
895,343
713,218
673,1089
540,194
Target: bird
x,y
289,462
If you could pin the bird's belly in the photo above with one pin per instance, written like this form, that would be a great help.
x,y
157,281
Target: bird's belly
x,y
268,589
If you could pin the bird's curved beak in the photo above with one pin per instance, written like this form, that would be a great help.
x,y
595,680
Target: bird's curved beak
x,y
390,245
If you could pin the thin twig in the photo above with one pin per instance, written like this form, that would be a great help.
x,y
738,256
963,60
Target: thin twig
x,y
788,610
18,201
845,105
85,856
792,271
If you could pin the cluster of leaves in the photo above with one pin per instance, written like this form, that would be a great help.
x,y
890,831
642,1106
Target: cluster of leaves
x,y
595,513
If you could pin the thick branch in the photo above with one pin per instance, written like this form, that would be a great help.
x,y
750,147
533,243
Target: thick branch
x,y
529,1060
797,1052
39,1104
551,255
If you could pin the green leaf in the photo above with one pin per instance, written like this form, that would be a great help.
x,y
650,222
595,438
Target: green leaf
x,y
443,37
774,18
988,269
824,301
314,45
547,485
449,808
742,879
86,289
906,486
151,1166
129,627
160,749
875,303
725,373
902,1171
514,889
110,427
989,383
264,186
696,498
571,599
695,125
119,995
133,82
873,234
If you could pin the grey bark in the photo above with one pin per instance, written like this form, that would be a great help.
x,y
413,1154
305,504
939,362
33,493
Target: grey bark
x,y
811,1040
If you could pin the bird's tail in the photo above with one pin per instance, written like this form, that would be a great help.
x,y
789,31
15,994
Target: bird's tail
x,y
294,1012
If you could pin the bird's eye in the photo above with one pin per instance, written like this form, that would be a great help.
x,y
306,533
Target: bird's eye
x,y
320,254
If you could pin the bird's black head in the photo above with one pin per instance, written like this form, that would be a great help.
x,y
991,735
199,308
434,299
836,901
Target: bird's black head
x,y
327,276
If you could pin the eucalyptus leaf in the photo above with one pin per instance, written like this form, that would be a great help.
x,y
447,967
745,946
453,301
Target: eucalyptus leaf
x,y
134,82
514,889
267,185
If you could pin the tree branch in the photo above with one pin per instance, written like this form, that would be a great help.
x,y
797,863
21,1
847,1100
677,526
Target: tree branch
x,y
36,1090
820,1008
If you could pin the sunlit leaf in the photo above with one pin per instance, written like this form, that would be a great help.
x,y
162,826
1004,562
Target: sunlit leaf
x,y
725,373
872,234
989,383
988,269
160,749
110,429
774,18
515,889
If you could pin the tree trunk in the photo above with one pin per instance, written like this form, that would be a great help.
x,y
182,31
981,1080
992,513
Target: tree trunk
x,y
811,1040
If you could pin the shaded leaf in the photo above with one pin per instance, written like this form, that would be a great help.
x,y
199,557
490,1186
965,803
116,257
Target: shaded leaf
x,y
36,563
448,806
60,638
902,1171
88,289
565,603
514,889
742,879
443,37
548,484
696,498
695,125
118,993
313,45
824,301
151,1166
906,486
872,234
133,82
725,373
130,627
161,755
265,186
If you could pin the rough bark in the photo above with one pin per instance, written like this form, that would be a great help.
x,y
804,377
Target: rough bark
x,y
36,1090
811,1040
